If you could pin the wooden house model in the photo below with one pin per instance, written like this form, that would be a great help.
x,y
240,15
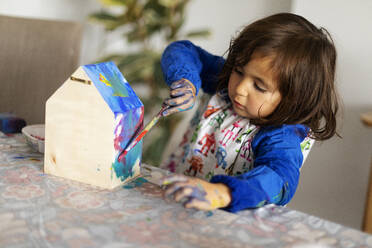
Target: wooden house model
x,y
89,121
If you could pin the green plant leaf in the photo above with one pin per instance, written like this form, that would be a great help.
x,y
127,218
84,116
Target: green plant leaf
x,y
114,57
158,74
108,20
115,2
103,16
137,66
175,28
198,33
156,7
168,3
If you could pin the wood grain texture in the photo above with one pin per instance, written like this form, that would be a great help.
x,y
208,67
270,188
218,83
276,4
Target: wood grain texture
x,y
367,221
367,118
79,135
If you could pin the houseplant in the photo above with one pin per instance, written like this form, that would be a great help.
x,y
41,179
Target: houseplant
x,y
147,27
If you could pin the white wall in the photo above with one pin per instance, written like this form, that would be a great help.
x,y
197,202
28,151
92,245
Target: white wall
x,y
66,10
225,18
334,179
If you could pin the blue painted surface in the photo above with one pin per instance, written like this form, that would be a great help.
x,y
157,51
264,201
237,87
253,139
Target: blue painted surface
x,y
128,110
113,87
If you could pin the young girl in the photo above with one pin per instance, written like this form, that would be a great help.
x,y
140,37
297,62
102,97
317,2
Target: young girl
x,y
274,92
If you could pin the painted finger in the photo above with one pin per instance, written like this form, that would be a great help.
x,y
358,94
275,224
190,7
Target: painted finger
x,y
183,83
190,191
173,179
182,194
187,194
170,111
181,92
172,189
177,109
187,105
182,104
197,204
174,101
177,84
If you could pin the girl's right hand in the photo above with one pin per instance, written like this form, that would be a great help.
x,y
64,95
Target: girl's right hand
x,y
182,97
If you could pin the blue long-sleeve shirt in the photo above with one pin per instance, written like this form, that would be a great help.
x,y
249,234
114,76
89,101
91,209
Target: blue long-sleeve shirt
x,y
277,151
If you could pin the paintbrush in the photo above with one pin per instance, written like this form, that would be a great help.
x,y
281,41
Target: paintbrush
x,y
144,131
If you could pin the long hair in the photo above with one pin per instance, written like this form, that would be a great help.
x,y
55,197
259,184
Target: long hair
x,y
304,63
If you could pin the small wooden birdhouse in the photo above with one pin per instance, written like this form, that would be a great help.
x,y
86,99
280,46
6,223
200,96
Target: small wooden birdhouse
x,y
89,121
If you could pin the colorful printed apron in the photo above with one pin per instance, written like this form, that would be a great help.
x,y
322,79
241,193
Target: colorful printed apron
x,y
218,141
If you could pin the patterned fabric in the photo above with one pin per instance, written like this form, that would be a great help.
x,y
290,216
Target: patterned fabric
x,y
203,151
217,142
39,210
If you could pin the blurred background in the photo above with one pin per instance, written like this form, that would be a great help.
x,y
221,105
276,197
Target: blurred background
x,y
334,178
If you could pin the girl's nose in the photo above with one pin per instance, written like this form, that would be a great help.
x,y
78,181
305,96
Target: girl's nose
x,y
242,88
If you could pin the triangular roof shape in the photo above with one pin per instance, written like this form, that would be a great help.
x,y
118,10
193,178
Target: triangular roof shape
x,y
112,86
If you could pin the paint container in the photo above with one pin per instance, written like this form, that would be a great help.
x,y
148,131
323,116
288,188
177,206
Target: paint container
x,y
10,123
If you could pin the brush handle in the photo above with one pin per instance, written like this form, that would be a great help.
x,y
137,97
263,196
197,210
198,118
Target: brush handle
x,y
144,131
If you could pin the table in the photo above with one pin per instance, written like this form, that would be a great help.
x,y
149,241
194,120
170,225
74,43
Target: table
x,y
38,210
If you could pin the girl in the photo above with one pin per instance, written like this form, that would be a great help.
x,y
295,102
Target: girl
x,y
275,90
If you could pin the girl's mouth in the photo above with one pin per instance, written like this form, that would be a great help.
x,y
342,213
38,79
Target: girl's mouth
x,y
238,105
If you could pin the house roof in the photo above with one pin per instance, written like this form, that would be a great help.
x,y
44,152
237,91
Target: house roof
x,y
113,87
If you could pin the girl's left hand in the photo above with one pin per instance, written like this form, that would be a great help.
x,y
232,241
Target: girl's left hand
x,y
182,97
196,193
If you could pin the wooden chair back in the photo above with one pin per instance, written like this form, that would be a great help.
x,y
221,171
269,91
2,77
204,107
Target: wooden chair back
x,y
36,57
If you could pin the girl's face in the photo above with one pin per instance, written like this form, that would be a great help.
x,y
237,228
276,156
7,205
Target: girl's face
x,y
253,88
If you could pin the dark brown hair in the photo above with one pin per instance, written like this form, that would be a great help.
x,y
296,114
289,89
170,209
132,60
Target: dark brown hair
x,y
304,63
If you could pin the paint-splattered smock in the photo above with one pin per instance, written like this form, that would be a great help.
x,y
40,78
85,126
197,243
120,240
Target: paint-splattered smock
x,y
260,165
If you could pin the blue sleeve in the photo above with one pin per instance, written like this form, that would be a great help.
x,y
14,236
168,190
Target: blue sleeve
x,y
277,163
182,59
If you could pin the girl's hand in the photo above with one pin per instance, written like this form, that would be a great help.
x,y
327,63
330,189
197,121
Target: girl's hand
x,y
196,193
182,97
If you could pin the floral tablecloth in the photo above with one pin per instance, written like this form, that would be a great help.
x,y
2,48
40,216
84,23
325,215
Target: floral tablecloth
x,y
38,210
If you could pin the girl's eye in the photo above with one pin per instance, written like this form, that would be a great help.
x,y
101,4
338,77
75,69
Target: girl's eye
x,y
259,88
237,70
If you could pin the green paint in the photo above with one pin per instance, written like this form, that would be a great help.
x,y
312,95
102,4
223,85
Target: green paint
x,y
261,203
305,145
209,213
124,169
200,187
118,87
136,183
